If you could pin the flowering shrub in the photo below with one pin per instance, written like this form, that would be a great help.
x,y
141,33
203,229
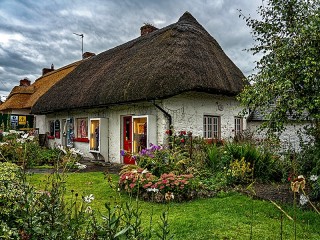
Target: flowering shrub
x,y
180,138
161,160
136,180
239,172
139,181
25,149
169,182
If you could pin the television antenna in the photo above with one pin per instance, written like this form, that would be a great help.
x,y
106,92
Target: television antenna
x,y
80,35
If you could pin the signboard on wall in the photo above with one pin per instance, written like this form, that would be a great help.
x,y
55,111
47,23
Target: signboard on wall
x,y
14,121
22,120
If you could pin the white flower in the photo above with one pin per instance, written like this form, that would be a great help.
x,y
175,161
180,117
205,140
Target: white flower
x,y
25,135
88,210
76,151
21,140
144,171
61,148
134,171
314,178
303,199
80,166
31,138
152,190
88,199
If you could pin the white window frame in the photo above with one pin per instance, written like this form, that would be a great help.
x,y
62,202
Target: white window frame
x,y
238,125
211,127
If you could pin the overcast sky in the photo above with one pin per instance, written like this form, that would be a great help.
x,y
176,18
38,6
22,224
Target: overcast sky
x,y
36,33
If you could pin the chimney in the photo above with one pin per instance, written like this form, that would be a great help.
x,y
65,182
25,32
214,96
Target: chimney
x,y
147,28
46,70
88,55
25,82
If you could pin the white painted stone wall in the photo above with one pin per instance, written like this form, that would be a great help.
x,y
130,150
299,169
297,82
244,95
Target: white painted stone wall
x,y
188,110
40,122
289,138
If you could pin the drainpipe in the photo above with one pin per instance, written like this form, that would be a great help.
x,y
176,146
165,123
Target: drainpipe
x,y
168,116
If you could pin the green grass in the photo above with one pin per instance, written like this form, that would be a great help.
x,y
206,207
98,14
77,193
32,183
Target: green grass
x,y
227,216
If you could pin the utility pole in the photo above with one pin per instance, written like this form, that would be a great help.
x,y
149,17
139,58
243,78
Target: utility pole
x,y
80,35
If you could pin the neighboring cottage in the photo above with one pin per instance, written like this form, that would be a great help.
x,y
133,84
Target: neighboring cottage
x,y
128,96
16,109
290,138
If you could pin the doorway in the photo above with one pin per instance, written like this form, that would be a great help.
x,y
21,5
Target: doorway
x,y
127,140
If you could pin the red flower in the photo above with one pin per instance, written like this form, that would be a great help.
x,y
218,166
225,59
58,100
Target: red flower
x,y
182,140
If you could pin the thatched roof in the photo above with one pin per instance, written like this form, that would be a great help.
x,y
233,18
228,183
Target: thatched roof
x,y
24,97
175,59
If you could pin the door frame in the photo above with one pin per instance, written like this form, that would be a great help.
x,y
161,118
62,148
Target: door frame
x,y
127,159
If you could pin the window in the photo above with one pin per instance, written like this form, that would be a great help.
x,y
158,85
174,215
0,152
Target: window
x,y
82,128
211,127
51,129
238,125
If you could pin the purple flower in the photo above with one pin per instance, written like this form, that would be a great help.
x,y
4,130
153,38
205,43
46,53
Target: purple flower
x,y
122,152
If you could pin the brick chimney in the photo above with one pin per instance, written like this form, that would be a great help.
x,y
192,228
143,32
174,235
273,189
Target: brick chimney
x,y
87,55
46,70
147,28
25,82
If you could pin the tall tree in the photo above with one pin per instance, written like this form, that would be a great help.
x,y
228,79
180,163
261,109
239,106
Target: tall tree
x,y
286,84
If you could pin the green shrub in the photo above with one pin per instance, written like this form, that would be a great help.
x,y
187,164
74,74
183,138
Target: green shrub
x,y
11,191
308,160
266,166
239,172
214,158
26,151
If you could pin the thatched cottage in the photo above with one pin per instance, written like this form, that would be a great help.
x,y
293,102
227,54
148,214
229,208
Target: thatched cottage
x,y
15,111
128,96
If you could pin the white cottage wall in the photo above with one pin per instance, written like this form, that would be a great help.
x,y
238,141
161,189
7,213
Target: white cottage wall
x,y
40,123
188,110
114,115
290,138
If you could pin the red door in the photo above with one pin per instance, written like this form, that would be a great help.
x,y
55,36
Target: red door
x,y
127,140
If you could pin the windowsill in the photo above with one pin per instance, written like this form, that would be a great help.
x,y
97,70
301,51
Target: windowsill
x,y
214,141
85,140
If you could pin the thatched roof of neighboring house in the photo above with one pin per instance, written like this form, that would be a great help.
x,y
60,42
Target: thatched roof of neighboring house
x,y
24,97
175,59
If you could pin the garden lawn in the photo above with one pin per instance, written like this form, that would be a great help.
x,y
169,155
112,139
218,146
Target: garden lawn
x,y
227,216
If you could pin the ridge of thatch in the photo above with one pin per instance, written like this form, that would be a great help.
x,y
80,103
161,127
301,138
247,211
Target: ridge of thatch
x,y
178,58
24,97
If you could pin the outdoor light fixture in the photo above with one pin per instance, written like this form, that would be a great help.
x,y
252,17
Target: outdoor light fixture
x,y
80,35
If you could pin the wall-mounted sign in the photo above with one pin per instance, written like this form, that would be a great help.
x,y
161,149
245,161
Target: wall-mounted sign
x,y
57,125
22,120
14,119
